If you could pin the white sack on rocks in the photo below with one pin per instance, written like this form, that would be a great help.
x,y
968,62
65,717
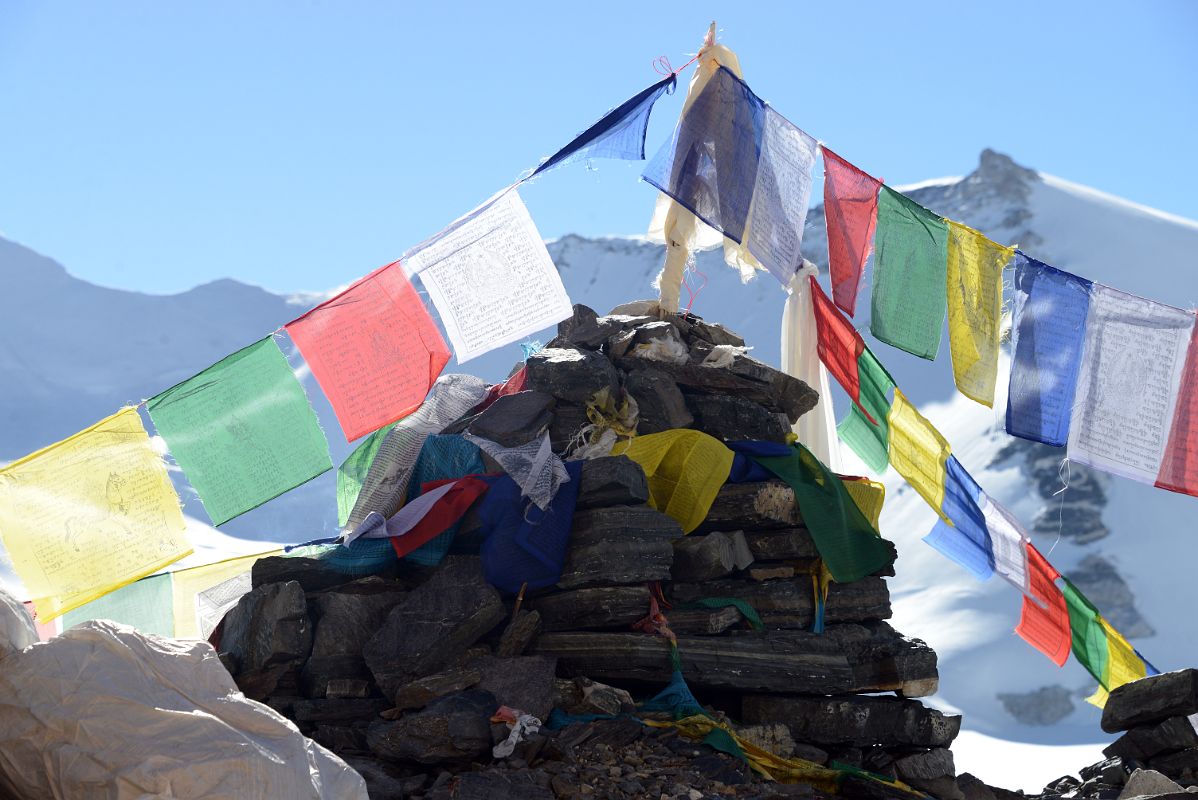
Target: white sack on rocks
x,y
103,711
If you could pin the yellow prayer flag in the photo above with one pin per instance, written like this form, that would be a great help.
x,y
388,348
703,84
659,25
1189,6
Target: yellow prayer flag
x,y
202,595
975,266
685,470
918,452
1122,665
869,497
90,514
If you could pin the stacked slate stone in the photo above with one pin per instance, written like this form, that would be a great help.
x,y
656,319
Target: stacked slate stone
x,y
1157,753
401,672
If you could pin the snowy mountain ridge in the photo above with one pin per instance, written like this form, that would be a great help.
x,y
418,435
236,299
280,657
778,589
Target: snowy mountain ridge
x,y
72,352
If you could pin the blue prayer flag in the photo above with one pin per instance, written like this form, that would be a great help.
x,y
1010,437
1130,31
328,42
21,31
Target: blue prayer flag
x,y
744,169
1049,331
620,133
967,540
523,543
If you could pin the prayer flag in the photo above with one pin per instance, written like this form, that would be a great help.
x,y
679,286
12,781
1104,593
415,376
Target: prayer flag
x,y
1101,649
1135,354
742,168
685,470
964,537
847,542
1123,665
522,543
185,604
145,604
1087,635
910,255
1045,628
850,214
374,349
1179,467
444,514
870,440
840,345
203,595
242,431
491,278
384,482
620,133
90,514
975,266
352,472
917,451
1047,338
1008,542
442,457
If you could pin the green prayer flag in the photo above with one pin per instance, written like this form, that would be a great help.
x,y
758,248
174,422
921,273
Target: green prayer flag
x,y
910,275
848,544
352,472
871,442
242,430
1089,638
147,605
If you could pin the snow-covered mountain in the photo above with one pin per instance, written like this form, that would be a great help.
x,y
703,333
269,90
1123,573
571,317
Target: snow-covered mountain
x,y
71,352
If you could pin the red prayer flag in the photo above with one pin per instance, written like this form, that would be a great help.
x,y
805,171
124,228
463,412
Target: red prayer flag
x,y
448,510
1179,467
839,345
850,213
374,349
1046,629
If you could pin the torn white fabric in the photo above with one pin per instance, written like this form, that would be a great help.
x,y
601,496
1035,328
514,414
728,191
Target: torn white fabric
x,y
524,726
671,351
105,711
533,466
800,358
724,355
492,279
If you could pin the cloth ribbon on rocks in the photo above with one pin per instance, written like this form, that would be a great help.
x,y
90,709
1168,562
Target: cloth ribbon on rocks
x,y
607,423
521,725
685,470
523,543
847,542
443,457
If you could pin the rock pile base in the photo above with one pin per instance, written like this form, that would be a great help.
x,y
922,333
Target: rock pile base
x,y
401,672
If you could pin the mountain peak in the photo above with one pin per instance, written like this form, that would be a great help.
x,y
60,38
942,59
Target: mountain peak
x,y
1000,173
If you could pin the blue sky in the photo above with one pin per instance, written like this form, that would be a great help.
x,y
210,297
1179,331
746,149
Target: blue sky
x,y
297,145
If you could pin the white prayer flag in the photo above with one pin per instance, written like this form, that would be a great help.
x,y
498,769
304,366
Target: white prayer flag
x,y
1135,351
781,192
491,278
1007,538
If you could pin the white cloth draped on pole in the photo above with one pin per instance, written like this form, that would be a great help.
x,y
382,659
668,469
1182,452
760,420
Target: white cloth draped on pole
x,y
800,358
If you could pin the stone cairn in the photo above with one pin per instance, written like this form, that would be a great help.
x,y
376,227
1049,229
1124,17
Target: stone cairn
x,y
1157,753
401,672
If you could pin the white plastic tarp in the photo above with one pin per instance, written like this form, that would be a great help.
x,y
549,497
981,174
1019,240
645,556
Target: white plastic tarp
x,y
103,711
